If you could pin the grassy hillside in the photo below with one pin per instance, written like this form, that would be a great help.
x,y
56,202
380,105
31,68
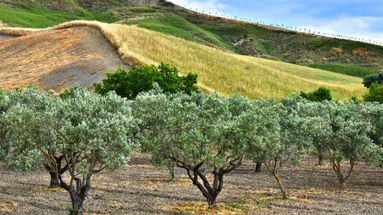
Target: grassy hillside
x,y
341,56
36,16
288,46
218,70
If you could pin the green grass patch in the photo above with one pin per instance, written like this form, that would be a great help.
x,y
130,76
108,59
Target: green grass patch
x,y
352,70
140,10
37,16
177,26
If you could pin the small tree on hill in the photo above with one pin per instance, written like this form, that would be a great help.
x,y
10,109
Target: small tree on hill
x,y
375,93
195,131
141,79
319,95
374,78
90,132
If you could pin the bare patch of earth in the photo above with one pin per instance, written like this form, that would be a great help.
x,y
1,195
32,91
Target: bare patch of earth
x,y
57,59
142,189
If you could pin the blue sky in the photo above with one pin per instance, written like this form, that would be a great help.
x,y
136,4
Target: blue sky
x,y
357,18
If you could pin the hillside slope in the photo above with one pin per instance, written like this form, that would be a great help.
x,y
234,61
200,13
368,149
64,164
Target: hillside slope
x,y
56,59
341,56
218,70
337,55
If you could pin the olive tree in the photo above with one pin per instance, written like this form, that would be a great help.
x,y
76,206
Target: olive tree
x,y
374,113
273,133
90,132
4,105
318,128
20,156
197,132
345,132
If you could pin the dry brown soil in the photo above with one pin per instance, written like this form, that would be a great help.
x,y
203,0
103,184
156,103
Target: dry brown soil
x,y
56,59
142,189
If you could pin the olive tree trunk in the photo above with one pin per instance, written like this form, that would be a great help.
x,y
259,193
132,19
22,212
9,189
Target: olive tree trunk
x,y
55,170
78,193
209,190
258,167
171,171
273,169
342,179
320,159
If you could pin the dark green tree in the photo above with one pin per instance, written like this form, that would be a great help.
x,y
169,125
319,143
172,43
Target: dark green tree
x,y
319,95
375,93
370,79
141,79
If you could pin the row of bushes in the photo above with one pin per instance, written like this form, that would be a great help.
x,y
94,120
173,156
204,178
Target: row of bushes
x,y
80,133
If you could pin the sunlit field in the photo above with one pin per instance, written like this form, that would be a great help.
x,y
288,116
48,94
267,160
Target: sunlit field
x,y
219,71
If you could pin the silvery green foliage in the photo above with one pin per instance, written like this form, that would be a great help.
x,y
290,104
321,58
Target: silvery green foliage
x,y
343,132
191,129
374,114
350,134
315,126
197,132
20,154
90,132
96,130
93,130
4,101
275,133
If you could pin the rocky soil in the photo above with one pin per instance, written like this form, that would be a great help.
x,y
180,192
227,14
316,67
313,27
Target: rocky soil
x,y
142,189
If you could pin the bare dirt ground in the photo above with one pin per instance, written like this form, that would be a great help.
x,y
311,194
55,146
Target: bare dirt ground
x,y
56,59
142,189
5,37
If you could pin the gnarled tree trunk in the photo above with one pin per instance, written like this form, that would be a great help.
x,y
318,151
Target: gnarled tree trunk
x,y
77,193
320,159
337,167
55,182
258,167
209,190
55,171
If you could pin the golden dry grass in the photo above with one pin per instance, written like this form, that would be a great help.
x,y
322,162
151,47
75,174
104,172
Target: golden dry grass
x,y
220,71
47,50
202,208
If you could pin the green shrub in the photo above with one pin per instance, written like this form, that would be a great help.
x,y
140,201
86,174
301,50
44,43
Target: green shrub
x,y
319,95
375,93
370,79
141,79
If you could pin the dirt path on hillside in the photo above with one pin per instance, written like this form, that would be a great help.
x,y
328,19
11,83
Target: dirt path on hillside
x,y
142,189
57,59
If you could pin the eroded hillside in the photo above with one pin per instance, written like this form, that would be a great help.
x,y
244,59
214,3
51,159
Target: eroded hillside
x,y
56,59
